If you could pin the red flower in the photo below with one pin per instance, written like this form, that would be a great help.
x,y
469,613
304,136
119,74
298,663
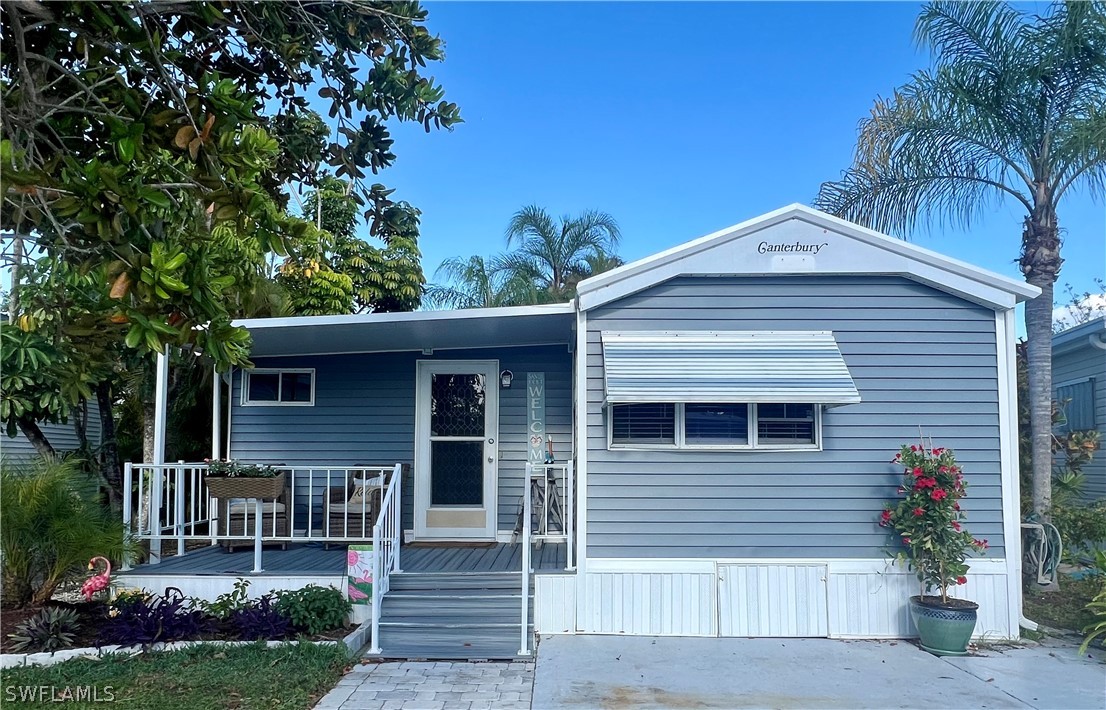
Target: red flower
x,y
925,483
955,525
956,506
937,452
938,494
913,448
918,471
961,580
906,540
885,518
918,512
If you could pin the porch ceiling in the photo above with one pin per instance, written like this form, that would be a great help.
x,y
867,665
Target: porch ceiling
x,y
437,330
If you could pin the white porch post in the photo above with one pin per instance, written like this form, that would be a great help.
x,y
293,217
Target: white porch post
x,y
216,413
161,405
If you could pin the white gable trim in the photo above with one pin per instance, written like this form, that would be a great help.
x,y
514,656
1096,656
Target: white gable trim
x,y
728,253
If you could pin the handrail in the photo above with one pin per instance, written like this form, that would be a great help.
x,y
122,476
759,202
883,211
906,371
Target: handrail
x,y
538,476
527,522
386,543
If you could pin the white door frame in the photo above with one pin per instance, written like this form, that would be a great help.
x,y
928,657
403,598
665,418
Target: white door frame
x,y
424,369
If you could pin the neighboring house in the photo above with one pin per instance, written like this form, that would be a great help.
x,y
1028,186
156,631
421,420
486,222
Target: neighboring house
x,y
731,407
62,436
1079,386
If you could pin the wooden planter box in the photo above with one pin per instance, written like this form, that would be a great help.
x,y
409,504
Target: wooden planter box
x,y
242,487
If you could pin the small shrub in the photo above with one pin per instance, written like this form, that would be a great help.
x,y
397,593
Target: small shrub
x,y
53,524
259,619
1097,627
1081,526
226,604
138,620
50,630
313,609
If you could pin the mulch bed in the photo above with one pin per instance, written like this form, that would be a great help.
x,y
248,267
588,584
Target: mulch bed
x,y
93,615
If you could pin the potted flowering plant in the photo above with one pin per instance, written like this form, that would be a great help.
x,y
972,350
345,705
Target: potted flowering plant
x,y
231,479
927,521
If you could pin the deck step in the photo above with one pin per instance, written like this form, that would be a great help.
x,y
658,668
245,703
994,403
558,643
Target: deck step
x,y
452,616
438,582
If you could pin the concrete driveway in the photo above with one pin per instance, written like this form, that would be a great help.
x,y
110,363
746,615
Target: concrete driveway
x,y
648,672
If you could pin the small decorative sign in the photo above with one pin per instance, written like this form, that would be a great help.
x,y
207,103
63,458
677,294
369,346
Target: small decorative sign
x,y
792,248
535,415
359,573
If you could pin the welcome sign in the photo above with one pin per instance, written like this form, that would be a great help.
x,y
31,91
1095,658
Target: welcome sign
x,y
535,415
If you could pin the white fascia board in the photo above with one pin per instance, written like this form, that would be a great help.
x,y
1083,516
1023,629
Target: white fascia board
x,y
884,256
407,316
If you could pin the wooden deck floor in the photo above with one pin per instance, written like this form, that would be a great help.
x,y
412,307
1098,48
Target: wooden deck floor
x,y
312,559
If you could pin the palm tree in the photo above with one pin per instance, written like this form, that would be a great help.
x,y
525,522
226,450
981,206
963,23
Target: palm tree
x,y
480,283
1014,109
549,252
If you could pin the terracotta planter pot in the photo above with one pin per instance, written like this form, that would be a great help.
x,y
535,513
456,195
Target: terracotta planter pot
x,y
944,629
242,487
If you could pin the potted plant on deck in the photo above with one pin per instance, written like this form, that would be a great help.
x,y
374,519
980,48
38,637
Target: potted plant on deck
x,y
231,479
927,521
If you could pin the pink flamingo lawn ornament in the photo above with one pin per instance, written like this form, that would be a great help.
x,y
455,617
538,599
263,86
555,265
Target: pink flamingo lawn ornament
x,y
96,582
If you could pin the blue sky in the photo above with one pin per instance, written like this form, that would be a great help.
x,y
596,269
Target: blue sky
x,y
678,119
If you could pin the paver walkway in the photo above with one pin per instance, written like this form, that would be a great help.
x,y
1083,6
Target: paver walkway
x,y
414,685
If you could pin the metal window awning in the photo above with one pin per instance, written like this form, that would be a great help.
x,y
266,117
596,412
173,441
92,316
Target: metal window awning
x,y
730,366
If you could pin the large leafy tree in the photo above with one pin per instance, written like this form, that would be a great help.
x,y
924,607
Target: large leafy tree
x,y
336,271
1014,109
139,139
552,253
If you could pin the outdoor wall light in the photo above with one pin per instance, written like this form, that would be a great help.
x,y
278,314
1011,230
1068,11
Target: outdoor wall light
x,y
505,378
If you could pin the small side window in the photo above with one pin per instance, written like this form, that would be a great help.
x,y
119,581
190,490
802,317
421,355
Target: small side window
x,y
278,387
643,424
784,424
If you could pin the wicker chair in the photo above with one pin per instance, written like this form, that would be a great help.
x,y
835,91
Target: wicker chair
x,y
352,519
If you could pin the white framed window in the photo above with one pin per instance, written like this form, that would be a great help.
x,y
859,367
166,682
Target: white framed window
x,y
723,425
283,387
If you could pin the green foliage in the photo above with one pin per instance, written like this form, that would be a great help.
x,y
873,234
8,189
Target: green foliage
x,y
53,524
230,468
202,676
1096,628
551,257
334,271
1081,526
52,629
927,519
313,609
225,604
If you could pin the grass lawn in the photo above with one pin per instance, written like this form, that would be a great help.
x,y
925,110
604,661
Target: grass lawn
x,y
197,678
1066,608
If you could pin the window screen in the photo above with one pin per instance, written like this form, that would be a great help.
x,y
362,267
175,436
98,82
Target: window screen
x,y
785,424
277,387
263,387
716,424
643,424
1076,402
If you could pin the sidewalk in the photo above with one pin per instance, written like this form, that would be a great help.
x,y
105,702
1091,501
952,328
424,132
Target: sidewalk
x,y
647,672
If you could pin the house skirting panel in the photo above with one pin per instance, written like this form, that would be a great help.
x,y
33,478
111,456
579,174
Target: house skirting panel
x,y
555,603
801,598
208,587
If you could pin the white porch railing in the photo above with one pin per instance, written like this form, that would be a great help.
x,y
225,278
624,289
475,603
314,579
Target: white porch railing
x,y
387,535
527,523
318,505
552,486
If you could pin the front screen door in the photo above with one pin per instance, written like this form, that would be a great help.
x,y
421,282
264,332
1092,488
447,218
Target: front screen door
x,y
456,450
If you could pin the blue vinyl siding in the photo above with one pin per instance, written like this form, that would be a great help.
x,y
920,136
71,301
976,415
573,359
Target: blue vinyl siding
x,y
920,359
62,436
1080,365
364,413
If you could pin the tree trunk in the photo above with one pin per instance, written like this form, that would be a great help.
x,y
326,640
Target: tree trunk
x,y
109,448
30,429
1040,262
149,418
